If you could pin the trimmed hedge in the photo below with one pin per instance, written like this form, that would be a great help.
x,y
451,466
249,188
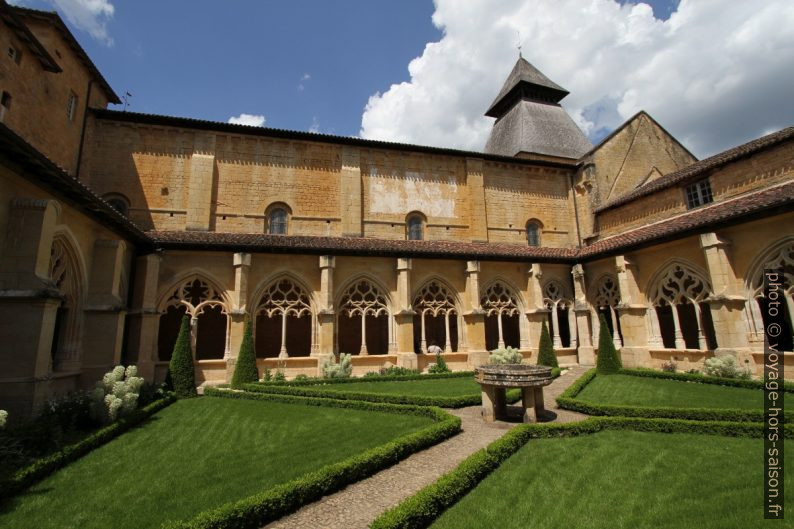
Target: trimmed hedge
x,y
416,400
380,378
608,360
45,466
245,369
421,509
567,400
269,505
181,373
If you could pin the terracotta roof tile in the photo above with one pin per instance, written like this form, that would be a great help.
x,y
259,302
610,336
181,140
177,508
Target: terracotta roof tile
x,y
698,168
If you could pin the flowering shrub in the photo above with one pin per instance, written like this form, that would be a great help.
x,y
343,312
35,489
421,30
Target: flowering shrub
x,y
508,355
116,394
440,366
3,418
341,370
669,366
725,367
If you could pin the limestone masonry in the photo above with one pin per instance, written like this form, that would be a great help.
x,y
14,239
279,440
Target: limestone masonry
x,y
114,225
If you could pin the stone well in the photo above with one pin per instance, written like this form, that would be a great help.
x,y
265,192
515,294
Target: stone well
x,y
495,379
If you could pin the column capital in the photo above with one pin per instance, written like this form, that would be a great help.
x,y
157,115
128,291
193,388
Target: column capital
x,y
404,263
535,271
622,264
472,267
712,240
327,261
242,259
577,271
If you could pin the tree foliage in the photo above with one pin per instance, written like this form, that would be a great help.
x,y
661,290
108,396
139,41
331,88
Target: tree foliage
x,y
245,370
181,374
546,355
608,360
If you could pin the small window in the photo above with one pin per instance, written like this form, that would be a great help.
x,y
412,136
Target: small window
x,y
533,233
14,54
277,224
698,194
118,202
415,226
71,106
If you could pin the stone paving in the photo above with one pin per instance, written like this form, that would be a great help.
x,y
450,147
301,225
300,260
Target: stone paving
x,y
356,506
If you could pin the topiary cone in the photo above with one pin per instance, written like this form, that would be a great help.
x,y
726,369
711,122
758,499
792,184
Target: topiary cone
x,y
546,355
245,370
608,360
180,369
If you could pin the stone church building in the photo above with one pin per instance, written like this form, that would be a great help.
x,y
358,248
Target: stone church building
x,y
113,225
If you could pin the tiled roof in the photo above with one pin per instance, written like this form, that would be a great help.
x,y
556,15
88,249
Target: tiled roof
x,y
44,172
698,168
356,246
767,201
23,33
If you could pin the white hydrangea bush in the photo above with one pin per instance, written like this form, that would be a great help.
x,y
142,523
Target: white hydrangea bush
x,y
341,370
3,418
725,367
506,355
116,395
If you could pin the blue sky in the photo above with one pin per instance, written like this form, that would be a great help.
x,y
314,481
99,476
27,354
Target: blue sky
x,y
714,73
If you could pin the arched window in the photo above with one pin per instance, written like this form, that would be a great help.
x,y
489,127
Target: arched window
x,y
682,318
66,277
277,218
415,227
118,202
502,317
606,299
204,305
435,322
781,257
283,321
365,303
533,233
563,322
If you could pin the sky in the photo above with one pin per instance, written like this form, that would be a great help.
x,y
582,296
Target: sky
x,y
714,73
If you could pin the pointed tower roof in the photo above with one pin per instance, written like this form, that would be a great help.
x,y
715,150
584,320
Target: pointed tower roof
x,y
530,120
526,80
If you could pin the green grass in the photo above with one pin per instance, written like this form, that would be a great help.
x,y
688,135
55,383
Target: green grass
x,y
644,391
623,479
438,387
195,455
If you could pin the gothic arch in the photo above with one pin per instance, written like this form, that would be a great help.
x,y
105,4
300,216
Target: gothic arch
x,y
364,321
680,318
197,295
437,320
559,302
284,317
503,308
604,295
779,255
67,276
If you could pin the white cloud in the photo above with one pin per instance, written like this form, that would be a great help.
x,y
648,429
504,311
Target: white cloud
x,y
305,77
714,74
252,120
91,16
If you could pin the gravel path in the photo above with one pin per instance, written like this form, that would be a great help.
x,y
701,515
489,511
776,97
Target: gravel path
x,y
360,503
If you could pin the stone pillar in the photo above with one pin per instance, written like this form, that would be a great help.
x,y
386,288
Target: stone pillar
x,y
350,189
537,312
581,312
25,256
404,315
326,319
144,320
726,303
632,313
202,184
475,183
475,318
105,311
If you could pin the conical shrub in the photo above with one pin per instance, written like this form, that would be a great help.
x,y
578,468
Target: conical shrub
x,y
546,355
245,370
608,361
181,374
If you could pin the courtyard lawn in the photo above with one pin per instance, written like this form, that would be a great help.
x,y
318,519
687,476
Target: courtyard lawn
x,y
198,454
629,390
623,479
